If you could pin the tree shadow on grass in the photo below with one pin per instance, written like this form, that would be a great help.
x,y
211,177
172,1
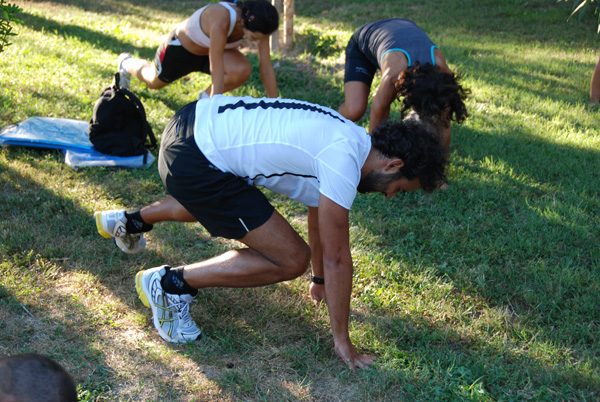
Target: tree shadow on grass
x,y
542,78
242,326
43,236
127,7
51,239
263,333
96,39
426,360
52,97
534,20
57,265
514,234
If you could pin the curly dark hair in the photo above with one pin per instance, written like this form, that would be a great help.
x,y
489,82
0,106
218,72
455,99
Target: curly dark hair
x,y
427,90
419,148
259,16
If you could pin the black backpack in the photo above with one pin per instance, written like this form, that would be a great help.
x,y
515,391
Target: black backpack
x,y
118,126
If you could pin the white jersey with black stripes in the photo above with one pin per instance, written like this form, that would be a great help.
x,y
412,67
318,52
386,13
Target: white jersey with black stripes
x,y
289,146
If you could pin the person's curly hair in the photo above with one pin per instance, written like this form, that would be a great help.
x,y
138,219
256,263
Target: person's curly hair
x,y
259,16
419,148
428,91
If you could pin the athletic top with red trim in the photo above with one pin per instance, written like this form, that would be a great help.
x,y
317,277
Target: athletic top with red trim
x,y
198,36
289,146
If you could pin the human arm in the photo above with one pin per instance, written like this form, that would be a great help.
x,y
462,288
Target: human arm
x,y
382,101
317,291
267,73
440,61
338,268
392,65
218,39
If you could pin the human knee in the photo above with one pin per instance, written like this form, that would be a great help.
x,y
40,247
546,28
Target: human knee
x,y
155,83
148,75
296,263
239,72
152,85
354,110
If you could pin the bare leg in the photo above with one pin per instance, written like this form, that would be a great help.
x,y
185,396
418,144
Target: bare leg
x,y
144,71
356,98
167,209
276,253
237,70
595,85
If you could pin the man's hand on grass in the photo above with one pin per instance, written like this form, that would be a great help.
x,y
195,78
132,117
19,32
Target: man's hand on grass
x,y
347,352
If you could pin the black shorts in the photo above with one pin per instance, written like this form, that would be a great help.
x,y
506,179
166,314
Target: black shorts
x,y
358,66
223,203
172,61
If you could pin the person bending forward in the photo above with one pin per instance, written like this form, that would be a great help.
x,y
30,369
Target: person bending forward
x,y
412,67
215,152
207,42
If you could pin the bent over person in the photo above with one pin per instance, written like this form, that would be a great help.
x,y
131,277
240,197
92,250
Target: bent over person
x,y
207,42
215,152
412,67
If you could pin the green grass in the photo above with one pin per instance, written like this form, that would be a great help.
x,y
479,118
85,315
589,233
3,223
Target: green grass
x,y
487,291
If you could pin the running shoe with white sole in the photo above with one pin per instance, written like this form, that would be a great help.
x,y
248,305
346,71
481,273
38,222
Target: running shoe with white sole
x,y
111,224
170,312
124,75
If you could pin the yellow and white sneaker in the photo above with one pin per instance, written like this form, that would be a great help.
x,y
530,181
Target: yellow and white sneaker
x,y
170,312
111,225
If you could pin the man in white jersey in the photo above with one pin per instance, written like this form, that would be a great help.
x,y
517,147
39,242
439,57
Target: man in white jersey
x,y
214,152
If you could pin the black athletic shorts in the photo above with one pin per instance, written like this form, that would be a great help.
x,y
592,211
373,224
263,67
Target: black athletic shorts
x,y
172,61
223,203
358,66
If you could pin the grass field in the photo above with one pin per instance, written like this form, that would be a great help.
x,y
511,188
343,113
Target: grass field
x,y
488,291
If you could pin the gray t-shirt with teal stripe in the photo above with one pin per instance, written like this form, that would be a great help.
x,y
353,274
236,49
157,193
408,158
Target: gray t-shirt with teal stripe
x,y
377,38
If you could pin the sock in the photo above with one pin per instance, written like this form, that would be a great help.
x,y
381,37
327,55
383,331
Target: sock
x,y
174,283
135,223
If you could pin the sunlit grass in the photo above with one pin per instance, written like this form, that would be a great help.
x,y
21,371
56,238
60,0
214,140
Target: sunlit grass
x,y
487,291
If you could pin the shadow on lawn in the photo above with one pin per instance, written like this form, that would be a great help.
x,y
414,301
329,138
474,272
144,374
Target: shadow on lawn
x,y
47,238
42,236
126,7
490,63
516,239
426,358
96,39
239,324
240,320
51,94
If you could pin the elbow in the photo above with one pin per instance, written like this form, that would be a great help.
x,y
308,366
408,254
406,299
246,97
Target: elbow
x,y
337,265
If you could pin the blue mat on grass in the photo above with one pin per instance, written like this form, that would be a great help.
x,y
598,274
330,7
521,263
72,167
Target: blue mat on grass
x,y
71,136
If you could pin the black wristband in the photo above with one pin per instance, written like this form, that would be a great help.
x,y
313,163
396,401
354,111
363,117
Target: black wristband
x,y
317,280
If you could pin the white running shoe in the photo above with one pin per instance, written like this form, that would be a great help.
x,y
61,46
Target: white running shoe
x,y
124,75
170,313
111,224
